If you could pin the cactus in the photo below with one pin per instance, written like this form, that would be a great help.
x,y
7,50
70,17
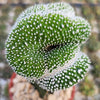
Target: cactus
x,y
44,46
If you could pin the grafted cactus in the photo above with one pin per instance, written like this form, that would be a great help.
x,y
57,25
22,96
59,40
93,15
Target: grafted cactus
x,y
44,46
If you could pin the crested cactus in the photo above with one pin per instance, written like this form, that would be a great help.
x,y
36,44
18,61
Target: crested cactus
x,y
44,46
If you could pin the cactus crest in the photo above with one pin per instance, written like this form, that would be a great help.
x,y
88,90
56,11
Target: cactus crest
x,y
44,46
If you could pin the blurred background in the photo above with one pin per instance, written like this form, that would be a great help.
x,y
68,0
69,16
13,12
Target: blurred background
x,y
89,88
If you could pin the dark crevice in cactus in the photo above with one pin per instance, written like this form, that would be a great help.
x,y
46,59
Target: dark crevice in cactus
x,y
51,47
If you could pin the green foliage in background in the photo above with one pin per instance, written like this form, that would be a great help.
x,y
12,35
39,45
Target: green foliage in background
x,y
98,12
6,91
87,13
86,87
95,61
91,1
93,44
4,13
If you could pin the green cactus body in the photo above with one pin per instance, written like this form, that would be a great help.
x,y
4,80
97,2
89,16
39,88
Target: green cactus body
x,y
44,46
